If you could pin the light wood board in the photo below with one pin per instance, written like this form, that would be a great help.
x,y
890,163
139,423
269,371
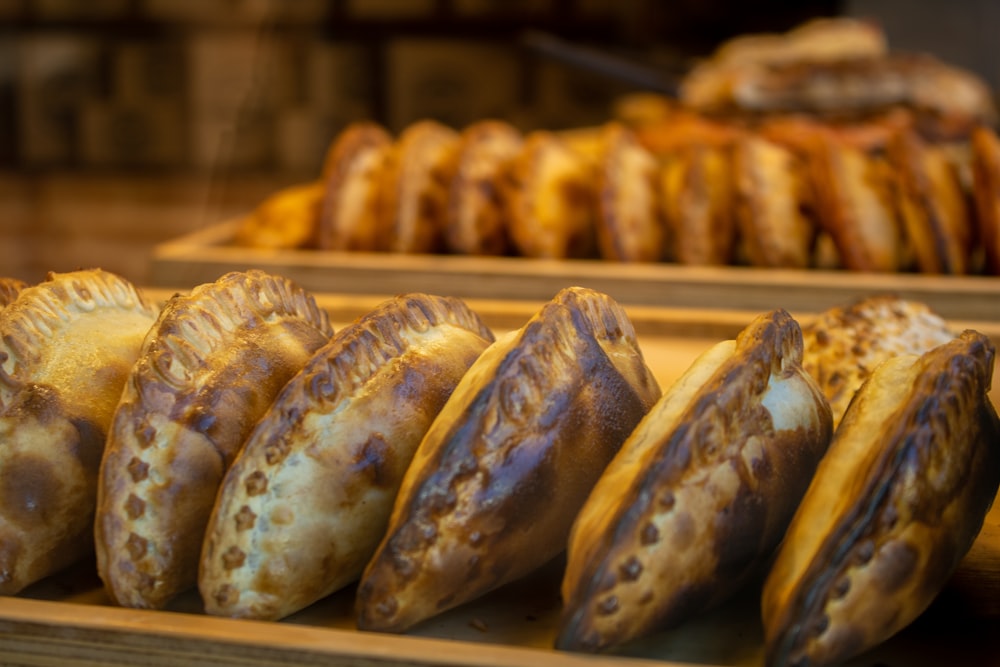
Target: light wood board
x,y
205,255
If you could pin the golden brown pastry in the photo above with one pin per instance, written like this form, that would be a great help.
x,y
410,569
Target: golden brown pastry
x,y
285,220
697,196
739,62
932,205
985,148
630,224
854,204
827,39
682,129
550,197
351,174
918,81
700,493
476,222
831,65
413,188
495,483
773,205
893,507
307,500
207,371
9,289
844,344
67,345
800,132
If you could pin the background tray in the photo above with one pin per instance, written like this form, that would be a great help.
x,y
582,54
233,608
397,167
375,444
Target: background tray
x,y
208,253
68,620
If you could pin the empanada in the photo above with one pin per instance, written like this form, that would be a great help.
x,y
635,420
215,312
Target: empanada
x,y
700,494
413,188
773,205
495,483
207,371
893,507
67,345
630,224
854,204
936,220
476,221
550,197
307,500
844,344
697,196
985,149
350,182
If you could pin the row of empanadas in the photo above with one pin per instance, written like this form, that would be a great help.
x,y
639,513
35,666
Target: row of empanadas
x,y
487,190
255,453
117,417
880,194
864,532
796,193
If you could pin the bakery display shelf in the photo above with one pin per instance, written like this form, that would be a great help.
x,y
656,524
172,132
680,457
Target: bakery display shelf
x,y
204,255
68,620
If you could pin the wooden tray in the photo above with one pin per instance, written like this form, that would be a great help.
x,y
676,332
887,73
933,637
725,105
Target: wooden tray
x,y
68,620
206,254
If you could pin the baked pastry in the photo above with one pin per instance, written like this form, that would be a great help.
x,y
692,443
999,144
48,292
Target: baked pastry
x,y
9,289
833,65
697,196
495,483
351,175
476,222
630,224
893,507
826,39
550,197
716,83
209,368
985,160
844,344
682,129
931,203
800,132
413,188
854,204
701,492
307,500
285,220
67,345
773,205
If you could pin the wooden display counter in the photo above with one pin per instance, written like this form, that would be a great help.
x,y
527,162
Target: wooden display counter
x,y
205,255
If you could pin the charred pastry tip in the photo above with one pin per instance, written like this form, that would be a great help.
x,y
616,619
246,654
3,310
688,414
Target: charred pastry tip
x,y
375,614
576,637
